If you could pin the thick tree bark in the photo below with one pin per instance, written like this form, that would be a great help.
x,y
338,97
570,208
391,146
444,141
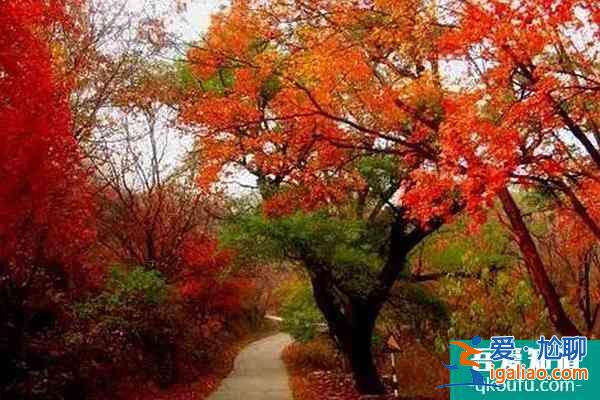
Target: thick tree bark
x,y
351,323
360,351
536,267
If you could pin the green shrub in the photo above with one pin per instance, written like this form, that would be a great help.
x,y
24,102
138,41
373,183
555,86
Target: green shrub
x,y
127,293
131,325
301,317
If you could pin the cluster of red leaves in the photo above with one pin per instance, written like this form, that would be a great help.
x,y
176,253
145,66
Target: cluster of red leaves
x,y
205,284
576,238
533,93
169,232
44,202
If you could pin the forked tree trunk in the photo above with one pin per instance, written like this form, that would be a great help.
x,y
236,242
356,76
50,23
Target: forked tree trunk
x,y
351,317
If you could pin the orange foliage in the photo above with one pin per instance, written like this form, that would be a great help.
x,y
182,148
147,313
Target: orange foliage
x,y
303,96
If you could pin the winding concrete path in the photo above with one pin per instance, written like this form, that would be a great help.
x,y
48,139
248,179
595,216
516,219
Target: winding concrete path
x,y
258,373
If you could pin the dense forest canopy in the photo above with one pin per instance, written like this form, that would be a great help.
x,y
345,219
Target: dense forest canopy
x,y
361,167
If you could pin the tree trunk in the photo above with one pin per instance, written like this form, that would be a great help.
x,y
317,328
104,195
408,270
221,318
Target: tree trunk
x,y
536,267
352,325
360,352
578,132
351,317
582,211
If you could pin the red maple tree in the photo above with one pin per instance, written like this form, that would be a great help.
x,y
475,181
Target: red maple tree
x,y
44,201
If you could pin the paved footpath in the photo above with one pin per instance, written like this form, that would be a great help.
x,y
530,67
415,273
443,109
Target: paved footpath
x,y
258,373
